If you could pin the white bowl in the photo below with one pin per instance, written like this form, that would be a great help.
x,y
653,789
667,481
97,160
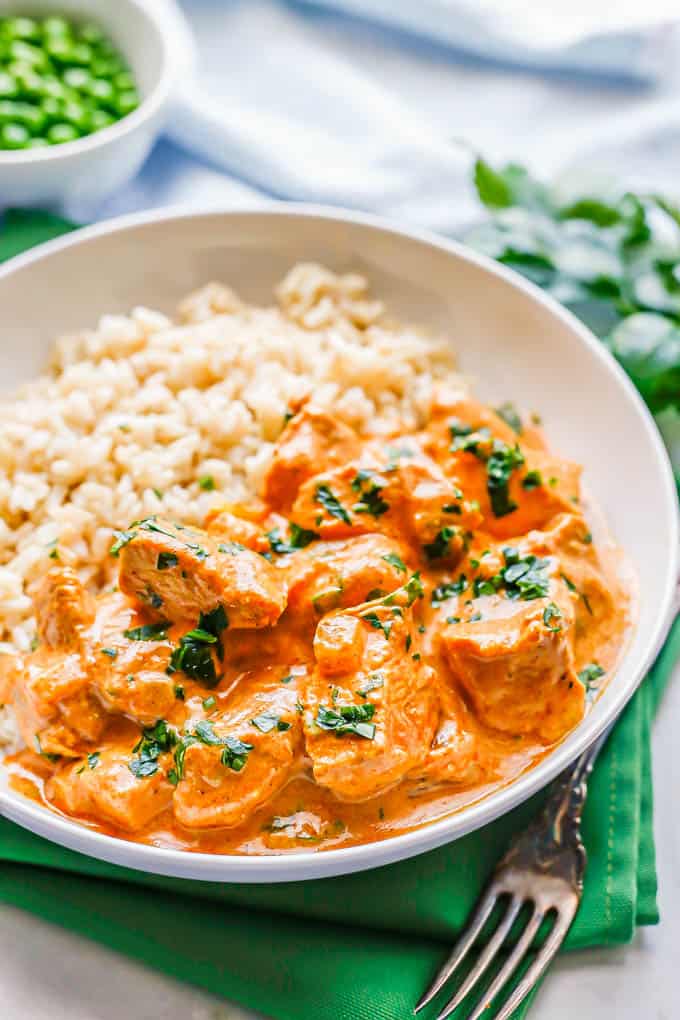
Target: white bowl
x,y
153,39
519,343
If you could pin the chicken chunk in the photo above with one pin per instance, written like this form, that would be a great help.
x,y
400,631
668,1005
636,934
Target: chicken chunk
x,y
461,752
181,572
311,438
129,676
103,787
54,708
517,664
63,609
236,761
370,711
332,575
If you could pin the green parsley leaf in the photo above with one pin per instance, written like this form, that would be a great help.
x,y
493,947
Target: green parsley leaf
x,y
166,560
396,561
148,632
590,674
330,503
447,590
508,412
207,483
347,719
532,480
551,613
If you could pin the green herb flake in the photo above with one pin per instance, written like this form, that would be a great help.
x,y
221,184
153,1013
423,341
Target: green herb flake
x,y
395,561
148,632
348,719
324,496
207,483
231,548
299,538
590,674
166,561
447,590
111,652
551,613
532,480
439,548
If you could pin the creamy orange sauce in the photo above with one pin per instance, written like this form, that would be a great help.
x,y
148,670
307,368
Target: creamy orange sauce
x,y
442,588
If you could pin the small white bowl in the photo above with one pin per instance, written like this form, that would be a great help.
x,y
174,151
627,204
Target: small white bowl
x,y
154,40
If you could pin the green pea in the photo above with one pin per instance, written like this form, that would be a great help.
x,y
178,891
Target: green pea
x,y
57,134
80,54
91,34
101,119
14,136
29,82
126,102
78,115
8,86
102,91
124,81
20,28
106,67
56,89
27,54
56,26
77,78
59,48
26,114
37,143
53,109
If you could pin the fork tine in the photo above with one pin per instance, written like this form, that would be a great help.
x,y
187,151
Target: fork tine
x,y
459,951
485,957
508,968
540,964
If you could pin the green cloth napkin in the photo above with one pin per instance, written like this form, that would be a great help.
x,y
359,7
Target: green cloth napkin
x,y
359,947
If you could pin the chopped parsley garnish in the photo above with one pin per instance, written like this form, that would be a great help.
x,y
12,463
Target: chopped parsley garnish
x,y
331,504
524,578
179,692
508,412
396,561
152,743
500,459
590,674
166,560
486,585
231,548
287,679
111,652
569,583
587,538
193,655
459,428
373,682
267,721
234,755
452,508
374,620
532,480
453,619
440,547
121,539
551,613
299,539
93,760
407,594
503,461
447,590
371,501
149,632
352,719
207,483
45,754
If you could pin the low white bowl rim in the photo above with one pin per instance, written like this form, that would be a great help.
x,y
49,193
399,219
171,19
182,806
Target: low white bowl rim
x,y
305,865
170,32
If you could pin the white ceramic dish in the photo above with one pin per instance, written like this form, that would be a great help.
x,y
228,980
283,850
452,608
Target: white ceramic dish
x,y
519,343
153,37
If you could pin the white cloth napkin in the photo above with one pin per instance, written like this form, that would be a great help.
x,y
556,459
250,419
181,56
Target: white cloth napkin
x,y
292,101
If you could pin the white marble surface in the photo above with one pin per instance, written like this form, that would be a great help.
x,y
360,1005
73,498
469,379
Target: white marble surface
x,y
49,974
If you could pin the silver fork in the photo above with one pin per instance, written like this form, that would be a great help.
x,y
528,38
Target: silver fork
x,y
543,868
